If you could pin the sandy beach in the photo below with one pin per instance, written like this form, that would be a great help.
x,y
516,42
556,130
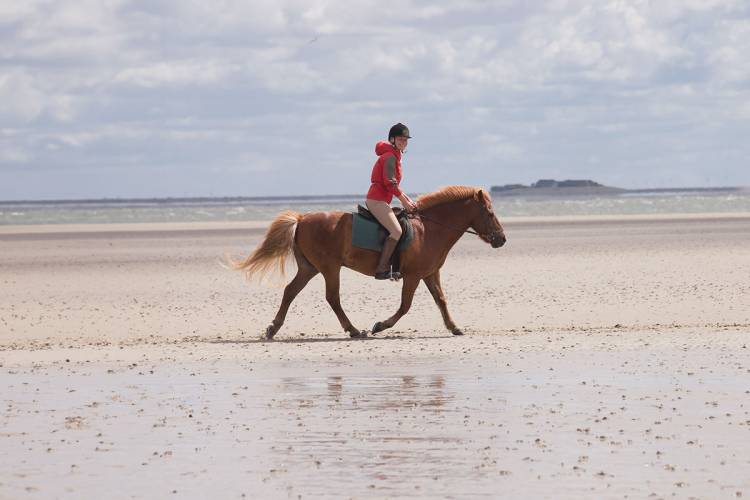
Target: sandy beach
x,y
604,357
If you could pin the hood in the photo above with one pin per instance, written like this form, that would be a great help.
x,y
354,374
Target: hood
x,y
384,147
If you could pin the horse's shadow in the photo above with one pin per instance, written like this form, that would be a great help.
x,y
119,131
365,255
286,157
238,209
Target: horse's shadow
x,y
323,339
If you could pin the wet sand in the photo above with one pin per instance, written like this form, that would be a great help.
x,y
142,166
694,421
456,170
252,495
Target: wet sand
x,y
604,358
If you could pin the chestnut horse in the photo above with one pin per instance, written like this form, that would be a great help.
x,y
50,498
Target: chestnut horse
x,y
321,243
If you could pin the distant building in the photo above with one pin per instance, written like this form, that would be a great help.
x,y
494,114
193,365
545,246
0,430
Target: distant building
x,y
508,187
578,183
545,183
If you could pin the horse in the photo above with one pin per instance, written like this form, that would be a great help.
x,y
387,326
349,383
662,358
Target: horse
x,y
321,243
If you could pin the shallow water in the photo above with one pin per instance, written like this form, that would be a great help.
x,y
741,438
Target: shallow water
x,y
113,211
532,424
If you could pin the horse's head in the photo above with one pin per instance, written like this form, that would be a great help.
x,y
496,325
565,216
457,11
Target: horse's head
x,y
485,223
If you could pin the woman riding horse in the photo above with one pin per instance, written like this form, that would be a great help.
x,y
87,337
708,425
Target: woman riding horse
x,y
321,242
385,178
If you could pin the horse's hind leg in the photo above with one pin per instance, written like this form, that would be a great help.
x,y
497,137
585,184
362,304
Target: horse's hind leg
x,y
305,272
332,296
436,289
407,294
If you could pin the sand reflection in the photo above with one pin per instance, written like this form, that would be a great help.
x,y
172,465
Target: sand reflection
x,y
374,428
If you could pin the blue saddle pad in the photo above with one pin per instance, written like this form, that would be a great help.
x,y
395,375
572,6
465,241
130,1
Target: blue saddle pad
x,y
370,235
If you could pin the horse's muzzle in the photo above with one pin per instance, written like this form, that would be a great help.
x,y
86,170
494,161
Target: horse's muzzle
x,y
497,240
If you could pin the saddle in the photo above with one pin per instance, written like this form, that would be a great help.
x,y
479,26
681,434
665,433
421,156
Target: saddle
x,y
369,234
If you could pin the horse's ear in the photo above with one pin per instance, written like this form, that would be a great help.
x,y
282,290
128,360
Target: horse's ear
x,y
480,195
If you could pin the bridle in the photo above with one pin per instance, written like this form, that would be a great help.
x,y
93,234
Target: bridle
x,y
485,236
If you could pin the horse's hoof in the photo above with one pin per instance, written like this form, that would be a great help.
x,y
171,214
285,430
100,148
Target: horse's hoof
x,y
456,331
270,332
378,327
358,334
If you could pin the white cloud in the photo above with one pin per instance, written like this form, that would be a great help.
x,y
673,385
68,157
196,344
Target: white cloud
x,y
500,147
22,102
513,86
26,100
729,60
193,72
13,12
14,155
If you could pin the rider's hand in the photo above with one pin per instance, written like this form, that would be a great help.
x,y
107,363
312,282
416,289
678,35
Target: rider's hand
x,y
409,205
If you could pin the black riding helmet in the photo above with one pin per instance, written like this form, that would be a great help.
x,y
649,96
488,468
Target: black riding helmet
x,y
398,130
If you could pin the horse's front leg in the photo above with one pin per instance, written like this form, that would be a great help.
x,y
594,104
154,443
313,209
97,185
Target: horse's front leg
x,y
407,294
436,289
334,300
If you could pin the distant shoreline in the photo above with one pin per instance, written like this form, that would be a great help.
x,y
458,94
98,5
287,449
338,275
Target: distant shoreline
x,y
520,191
186,200
728,189
587,187
554,192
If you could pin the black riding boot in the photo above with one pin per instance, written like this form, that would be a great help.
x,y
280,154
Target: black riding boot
x,y
383,271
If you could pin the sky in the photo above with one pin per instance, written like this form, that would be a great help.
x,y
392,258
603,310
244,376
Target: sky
x,y
157,98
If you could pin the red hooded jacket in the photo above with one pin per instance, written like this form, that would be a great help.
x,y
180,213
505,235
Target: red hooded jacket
x,y
386,173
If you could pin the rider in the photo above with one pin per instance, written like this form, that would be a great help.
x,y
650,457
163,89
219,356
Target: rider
x,y
385,178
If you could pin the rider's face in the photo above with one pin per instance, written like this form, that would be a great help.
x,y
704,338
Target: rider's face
x,y
401,143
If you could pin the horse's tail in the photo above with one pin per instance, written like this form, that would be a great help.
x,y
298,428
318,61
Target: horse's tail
x,y
274,250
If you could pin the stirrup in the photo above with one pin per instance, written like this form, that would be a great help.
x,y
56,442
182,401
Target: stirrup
x,y
388,275
384,275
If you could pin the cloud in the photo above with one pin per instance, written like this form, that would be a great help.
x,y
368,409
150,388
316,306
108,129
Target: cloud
x,y
728,60
193,72
302,89
25,100
21,101
14,155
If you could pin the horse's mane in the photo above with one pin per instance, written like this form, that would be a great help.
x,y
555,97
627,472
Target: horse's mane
x,y
446,194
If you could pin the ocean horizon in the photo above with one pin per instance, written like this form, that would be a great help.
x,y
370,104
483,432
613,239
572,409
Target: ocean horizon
x,y
272,198
260,208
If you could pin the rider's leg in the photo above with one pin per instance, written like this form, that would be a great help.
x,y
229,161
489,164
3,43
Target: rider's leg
x,y
383,213
383,271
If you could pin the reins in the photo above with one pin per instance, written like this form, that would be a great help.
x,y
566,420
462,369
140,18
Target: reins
x,y
422,216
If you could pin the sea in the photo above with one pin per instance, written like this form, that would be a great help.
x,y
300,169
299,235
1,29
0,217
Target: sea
x,y
263,209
